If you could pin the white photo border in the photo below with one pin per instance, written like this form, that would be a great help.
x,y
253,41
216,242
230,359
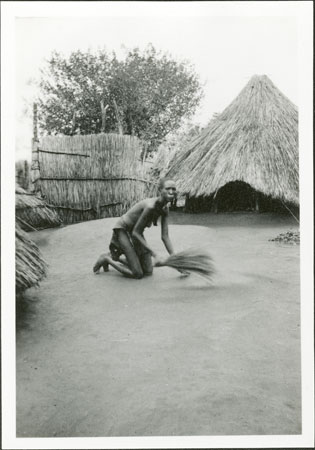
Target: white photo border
x,y
302,10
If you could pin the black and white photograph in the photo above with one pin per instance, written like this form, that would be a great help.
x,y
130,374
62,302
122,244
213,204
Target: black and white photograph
x,y
157,170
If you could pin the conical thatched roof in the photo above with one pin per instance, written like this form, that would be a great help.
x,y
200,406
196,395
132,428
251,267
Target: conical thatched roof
x,y
32,212
255,140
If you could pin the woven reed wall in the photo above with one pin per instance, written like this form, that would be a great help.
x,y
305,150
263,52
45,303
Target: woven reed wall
x,y
23,174
91,176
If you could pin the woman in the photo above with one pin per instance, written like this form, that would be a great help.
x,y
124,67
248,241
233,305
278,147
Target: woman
x,y
128,239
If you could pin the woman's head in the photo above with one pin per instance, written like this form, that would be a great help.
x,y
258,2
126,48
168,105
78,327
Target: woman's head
x,y
167,189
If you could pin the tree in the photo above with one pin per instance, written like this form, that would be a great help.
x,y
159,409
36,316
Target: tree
x,y
147,94
174,143
72,91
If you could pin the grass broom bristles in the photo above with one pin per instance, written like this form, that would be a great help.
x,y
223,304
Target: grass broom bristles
x,y
193,260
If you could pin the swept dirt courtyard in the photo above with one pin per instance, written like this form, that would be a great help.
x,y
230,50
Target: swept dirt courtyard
x,y
109,356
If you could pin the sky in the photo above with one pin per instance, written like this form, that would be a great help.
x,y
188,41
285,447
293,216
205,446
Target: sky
x,y
224,50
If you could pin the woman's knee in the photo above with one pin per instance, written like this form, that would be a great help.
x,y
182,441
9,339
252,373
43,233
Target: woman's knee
x,y
148,272
137,273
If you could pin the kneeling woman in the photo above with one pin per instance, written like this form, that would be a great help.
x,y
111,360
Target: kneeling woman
x,y
128,239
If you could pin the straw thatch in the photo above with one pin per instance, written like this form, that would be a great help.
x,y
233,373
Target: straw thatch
x,y
30,267
254,140
32,212
90,176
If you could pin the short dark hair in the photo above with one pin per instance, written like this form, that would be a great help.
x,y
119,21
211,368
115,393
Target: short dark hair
x,y
162,182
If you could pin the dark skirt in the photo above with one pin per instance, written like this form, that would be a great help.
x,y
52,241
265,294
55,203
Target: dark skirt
x,y
114,246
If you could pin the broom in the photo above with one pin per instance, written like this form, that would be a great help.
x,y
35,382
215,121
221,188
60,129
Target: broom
x,y
193,260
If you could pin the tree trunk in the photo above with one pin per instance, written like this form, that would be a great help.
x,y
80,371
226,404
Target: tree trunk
x,y
103,109
73,123
119,125
130,129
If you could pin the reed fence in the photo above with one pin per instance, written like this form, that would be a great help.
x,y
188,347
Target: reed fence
x,y
23,174
88,177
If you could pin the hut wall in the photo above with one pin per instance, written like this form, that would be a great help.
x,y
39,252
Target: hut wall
x,y
198,204
239,196
91,176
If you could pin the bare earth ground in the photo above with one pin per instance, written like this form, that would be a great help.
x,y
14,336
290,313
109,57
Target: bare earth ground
x,y
109,356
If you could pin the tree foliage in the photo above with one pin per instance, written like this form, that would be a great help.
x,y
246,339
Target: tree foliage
x,y
147,94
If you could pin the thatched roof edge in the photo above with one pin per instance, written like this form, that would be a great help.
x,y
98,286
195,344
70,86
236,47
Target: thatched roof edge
x,y
255,140
30,267
32,211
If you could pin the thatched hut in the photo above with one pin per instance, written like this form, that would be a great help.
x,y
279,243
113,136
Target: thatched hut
x,y
32,212
247,158
30,267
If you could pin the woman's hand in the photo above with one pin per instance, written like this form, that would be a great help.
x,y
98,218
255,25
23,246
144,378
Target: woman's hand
x,y
183,273
158,260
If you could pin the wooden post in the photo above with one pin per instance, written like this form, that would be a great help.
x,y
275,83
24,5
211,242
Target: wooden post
x,y
215,203
26,176
35,131
103,109
35,167
256,202
186,207
97,208
18,174
120,128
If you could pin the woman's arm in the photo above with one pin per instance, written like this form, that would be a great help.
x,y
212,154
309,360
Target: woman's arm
x,y
140,226
164,234
166,240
